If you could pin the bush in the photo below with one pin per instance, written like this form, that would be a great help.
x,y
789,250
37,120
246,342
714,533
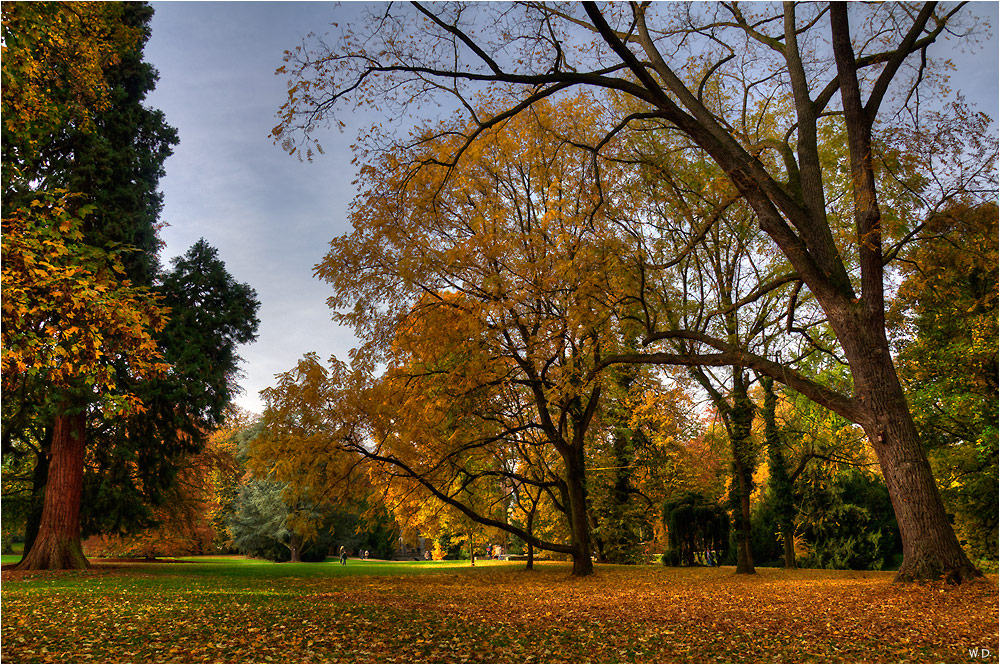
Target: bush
x,y
848,523
671,557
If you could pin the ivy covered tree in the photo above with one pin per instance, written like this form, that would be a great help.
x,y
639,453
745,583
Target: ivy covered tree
x,y
779,482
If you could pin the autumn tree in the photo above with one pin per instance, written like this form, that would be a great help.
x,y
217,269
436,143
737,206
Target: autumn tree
x,y
639,457
856,66
491,313
700,260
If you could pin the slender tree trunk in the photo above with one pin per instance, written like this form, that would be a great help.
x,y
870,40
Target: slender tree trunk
x,y
744,551
599,543
57,545
780,483
789,540
530,565
740,417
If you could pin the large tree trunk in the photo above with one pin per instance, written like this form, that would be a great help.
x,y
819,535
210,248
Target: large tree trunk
x,y
295,548
57,545
930,548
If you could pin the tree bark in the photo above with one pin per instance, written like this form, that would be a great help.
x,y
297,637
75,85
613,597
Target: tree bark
x,y
576,494
789,541
744,551
530,565
57,546
930,548
39,479
295,548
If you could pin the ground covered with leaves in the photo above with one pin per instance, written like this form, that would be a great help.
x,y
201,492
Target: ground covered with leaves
x,y
226,610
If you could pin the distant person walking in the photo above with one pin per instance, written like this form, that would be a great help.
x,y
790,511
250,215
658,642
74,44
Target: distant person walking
x,y
343,556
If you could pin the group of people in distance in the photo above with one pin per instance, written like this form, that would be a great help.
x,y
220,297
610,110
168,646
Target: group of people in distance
x,y
343,555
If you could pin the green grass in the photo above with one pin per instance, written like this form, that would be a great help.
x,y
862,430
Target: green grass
x,y
220,609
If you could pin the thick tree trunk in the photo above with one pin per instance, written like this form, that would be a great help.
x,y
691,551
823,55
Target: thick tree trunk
x,y
930,548
295,548
57,545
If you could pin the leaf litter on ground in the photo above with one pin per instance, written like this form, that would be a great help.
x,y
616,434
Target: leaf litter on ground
x,y
209,612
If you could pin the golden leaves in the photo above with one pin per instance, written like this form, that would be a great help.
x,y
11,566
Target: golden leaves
x,y
67,314
55,56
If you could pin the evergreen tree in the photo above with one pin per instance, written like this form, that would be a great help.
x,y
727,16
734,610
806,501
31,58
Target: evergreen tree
x,y
210,315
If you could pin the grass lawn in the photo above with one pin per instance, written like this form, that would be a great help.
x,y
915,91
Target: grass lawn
x,y
221,609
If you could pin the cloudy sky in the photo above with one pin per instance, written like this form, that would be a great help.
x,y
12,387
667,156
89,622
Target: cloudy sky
x,y
271,216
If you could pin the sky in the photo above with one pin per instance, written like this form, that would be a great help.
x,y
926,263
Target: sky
x,y
271,216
